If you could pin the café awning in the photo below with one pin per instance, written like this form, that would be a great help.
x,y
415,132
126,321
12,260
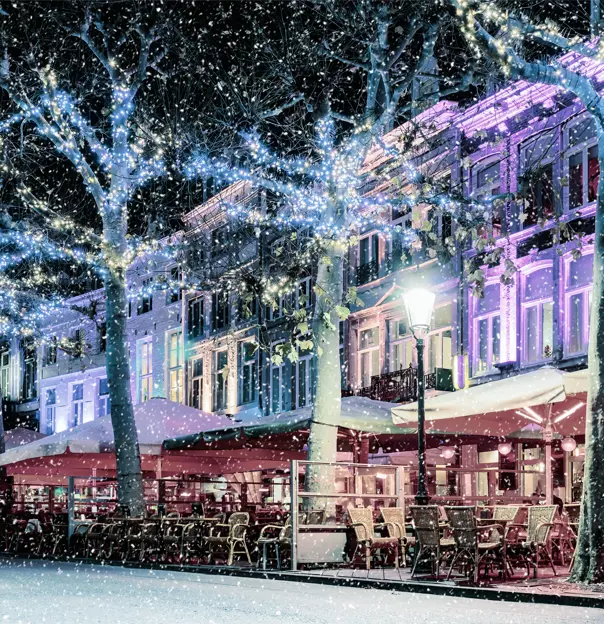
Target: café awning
x,y
156,420
358,414
507,405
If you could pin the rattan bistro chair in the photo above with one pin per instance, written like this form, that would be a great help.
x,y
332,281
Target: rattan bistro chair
x,y
277,536
470,550
538,537
427,531
231,537
394,517
364,529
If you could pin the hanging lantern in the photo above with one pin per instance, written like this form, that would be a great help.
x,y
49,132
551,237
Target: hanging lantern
x,y
505,448
568,445
447,451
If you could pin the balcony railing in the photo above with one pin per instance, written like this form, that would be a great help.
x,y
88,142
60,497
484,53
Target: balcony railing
x,y
401,386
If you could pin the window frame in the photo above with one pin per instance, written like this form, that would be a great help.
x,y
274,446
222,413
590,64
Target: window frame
x,y
144,303
249,366
569,151
220,379
569,291
280,368
196,380
76,414
145,379
103,400
175,371
525,307
50,411
369,351
489,317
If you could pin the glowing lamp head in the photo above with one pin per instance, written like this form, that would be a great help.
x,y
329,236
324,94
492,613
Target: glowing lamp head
x,y
505,448
568,445
419,304
447,451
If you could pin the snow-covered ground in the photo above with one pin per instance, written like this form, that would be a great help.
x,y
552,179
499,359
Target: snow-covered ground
x,y
59,593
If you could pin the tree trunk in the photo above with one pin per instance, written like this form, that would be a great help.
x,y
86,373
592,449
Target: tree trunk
x,y
589,558
129,476
322,446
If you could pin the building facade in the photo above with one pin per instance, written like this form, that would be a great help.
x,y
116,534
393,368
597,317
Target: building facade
x,y
529,146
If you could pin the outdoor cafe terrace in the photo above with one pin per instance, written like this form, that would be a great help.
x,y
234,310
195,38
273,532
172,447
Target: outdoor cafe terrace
x,y
227,494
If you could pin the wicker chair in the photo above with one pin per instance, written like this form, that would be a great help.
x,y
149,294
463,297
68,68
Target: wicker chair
x,y
230,536
95,537
395,519
538,537
150,540
194,537
427,531
364,527
470,550
278,536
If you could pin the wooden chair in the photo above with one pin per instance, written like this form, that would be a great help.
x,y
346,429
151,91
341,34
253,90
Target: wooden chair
x,y
231,536
470,549
364,529
277,536
394,517
427,531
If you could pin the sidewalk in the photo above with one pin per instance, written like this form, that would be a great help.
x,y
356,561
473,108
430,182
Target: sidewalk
x,y
543,590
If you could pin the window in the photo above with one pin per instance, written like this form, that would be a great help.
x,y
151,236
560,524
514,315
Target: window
x,y
220,239
303,293
220,311
537,316
401,346
79,344
487,183
439,354
104,402
578,287
537,180
50,410
278,309
195,318
50,352
174,293
5,371
221,376
487,330
77,404
145,300
367,269
145,369
175,367
102,337
248,372
278,385
369,355
582,163
304,373
30,371
196,392
343,359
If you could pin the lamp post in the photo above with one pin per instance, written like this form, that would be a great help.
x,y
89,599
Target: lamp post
x,y
419,304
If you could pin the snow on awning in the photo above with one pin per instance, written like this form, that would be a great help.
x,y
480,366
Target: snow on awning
x,y
358,414
156,420
492,408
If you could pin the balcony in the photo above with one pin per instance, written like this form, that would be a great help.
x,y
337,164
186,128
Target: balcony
x,y
401,386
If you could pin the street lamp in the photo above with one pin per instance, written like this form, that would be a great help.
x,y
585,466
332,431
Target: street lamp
x,y
419,304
